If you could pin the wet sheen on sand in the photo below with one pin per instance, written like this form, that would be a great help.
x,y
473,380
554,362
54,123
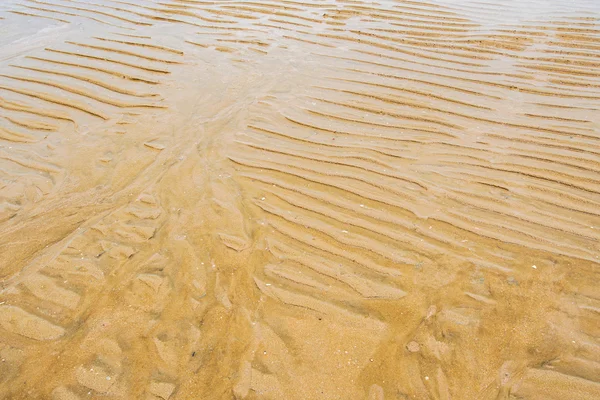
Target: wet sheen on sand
x,y
299,200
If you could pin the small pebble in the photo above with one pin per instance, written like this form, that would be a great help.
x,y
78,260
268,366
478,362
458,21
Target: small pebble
x,y
413,347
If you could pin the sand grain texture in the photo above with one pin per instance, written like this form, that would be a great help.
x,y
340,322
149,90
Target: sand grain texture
x,y
299,200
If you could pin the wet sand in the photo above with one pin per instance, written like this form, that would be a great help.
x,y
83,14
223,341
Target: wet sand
x,y
299,200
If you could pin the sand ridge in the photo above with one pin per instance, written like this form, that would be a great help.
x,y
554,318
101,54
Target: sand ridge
x,y
299,200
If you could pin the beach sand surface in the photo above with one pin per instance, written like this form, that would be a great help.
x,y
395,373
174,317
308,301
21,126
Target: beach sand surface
x,y
302,200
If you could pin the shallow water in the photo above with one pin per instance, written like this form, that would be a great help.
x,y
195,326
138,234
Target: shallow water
x,y
299,200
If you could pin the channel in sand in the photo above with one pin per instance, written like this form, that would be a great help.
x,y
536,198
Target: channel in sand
x,y
299,200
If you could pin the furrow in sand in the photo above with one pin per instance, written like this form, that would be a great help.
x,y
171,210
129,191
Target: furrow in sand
x,y
407,191
16,137
551,144
123,52
319,306
511,235
61,12
111,60
520,157
360,285
276,27
388,227
523,224
378,111
340,161
412,91
121,9
554,385
88,79
29,163
254,10
380,183
21,107
314,148
368,194
308,41
519,161
580,163
132,36
403,102
284,22
552,117
409,79
301,280
563,71
434,46
365,287
56,100
31,124
348,148
97,69
92,11
144,45
399,14
291,230
589,189
398,50
542,193
28,14
369,124
349,241
455,78
82,92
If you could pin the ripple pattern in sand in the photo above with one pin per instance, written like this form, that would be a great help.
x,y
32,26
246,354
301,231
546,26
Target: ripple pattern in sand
x,y
286,199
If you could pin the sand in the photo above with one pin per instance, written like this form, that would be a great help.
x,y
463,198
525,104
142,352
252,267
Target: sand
x,y
299,200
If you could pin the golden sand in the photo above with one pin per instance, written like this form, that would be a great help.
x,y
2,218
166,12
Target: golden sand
x,y
299,200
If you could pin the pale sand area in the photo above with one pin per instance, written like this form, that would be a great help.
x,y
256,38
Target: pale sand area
x,y
299,200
